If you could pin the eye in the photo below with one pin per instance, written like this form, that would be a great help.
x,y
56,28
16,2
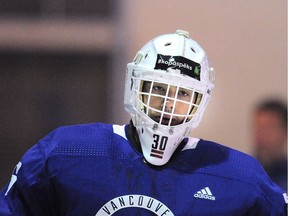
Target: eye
x,y
183,93
158,89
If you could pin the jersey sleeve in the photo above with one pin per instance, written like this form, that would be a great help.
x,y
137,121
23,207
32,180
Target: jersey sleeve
x,y
28,189
272,200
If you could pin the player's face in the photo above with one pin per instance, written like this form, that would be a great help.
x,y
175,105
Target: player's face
x,y
179,102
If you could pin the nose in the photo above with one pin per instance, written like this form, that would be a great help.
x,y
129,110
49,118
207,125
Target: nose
x,y
168,103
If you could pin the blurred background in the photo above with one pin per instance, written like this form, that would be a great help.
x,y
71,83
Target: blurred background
x,y
63,62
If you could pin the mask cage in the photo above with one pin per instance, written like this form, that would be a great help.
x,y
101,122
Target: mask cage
x,y
166,103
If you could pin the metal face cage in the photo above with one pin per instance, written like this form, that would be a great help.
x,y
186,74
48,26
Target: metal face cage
x,y
168,104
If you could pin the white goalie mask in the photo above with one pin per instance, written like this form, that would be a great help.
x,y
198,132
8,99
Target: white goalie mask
x,y
167,88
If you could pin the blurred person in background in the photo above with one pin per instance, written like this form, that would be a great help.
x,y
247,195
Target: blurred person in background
x,y
269,134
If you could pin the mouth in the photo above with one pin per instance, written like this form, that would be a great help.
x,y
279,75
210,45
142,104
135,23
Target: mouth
x,y
165,120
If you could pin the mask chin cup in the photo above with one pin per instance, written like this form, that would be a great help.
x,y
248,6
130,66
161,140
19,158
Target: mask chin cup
x,y
158,145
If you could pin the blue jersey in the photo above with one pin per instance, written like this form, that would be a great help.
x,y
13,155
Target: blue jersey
x,y
93,170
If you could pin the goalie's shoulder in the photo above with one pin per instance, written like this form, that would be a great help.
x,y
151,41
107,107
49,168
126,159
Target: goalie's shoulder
x,y
224,161
76,136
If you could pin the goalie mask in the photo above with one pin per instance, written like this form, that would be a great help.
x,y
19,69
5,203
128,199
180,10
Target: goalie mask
x,y
167,88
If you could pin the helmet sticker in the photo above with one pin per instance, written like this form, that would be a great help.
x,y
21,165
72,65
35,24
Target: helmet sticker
x,y
186,66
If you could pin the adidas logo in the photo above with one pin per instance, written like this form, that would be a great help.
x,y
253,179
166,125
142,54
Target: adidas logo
x,y
205,194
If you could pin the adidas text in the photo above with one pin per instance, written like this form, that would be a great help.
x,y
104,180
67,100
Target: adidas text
x,y
205,193
204,196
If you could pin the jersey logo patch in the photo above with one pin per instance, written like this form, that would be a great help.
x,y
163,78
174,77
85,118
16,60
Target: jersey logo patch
x,y
205,193
135,201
